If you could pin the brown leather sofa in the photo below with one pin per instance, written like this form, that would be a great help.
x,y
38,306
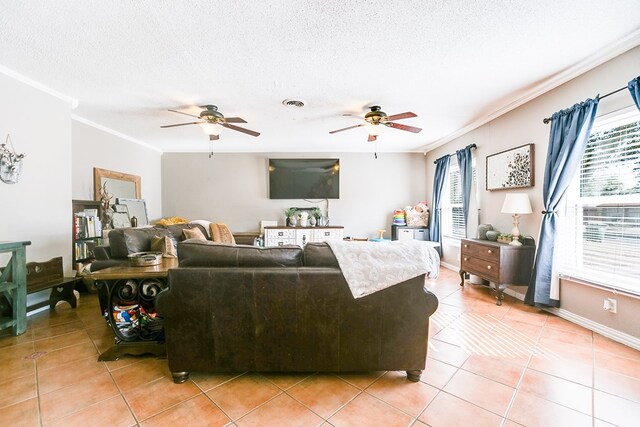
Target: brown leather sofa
x,y
125,241
285,309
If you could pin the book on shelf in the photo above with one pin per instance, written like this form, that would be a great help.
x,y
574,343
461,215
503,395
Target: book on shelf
x,y
86,226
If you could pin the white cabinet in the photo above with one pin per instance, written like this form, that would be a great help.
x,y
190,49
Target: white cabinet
x,y
280,236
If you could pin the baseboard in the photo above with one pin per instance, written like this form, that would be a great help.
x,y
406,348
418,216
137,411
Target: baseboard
x,y
621,337
449,266
514,294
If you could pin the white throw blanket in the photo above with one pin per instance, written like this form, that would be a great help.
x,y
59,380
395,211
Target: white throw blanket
x,y
370,267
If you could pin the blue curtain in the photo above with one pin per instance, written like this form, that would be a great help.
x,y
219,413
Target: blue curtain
x,y
441,176
634,88
568,138
466,176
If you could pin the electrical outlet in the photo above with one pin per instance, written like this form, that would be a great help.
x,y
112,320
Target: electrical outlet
x,y
610,305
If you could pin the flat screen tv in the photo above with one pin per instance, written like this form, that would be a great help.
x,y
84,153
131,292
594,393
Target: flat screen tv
x,y
304,178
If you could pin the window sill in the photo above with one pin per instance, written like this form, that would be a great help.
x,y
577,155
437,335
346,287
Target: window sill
x,y
599,285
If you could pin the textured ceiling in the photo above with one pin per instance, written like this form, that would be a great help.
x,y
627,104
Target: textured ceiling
x,y
450,62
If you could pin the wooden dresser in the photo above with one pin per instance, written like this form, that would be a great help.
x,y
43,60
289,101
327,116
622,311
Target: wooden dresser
x,y
499,263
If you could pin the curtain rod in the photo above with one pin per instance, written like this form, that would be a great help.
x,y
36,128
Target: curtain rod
x,y
548,119
472,146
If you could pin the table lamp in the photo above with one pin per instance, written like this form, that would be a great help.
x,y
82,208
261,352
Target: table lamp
x,y
516,204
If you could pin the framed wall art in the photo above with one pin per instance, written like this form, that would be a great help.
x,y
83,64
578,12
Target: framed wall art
x,y
513,168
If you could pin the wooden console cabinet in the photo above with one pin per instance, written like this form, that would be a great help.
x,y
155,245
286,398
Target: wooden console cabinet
x,y
499,263
280,236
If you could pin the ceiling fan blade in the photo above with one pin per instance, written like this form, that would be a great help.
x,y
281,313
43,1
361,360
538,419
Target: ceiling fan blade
x,y
406,115
234,120
239,129
403,127
372,138
186,114
350,127
213,137
181,124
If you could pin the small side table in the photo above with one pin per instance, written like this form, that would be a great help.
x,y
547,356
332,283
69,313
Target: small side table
x,y
13,284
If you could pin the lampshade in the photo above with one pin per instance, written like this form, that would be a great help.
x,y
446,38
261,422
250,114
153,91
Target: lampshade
x,y
211,128
374,130
516,203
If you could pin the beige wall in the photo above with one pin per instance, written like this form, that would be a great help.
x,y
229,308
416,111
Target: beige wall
x,y
233,188
524,125
93,147
38,207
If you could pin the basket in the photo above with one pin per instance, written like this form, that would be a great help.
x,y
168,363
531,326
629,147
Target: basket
x,y
145,259
417,219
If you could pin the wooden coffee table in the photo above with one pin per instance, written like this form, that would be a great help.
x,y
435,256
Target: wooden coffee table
x,y
127,301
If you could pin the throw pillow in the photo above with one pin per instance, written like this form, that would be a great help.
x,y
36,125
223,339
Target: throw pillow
x,y
165,245
220,233
193,233
172,220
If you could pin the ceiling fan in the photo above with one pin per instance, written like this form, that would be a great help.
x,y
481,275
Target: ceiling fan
x,y
376,118
213,122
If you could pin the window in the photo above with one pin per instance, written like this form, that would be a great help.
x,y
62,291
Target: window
x,y
452,212
600,233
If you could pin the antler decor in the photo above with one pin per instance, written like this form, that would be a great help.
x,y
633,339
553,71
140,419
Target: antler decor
x,y
10,162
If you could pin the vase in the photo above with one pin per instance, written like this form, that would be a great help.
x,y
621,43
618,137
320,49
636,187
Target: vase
x,y
293,221
492,235
312,221
482,231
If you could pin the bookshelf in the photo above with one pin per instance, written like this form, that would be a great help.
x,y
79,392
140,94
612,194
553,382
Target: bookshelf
x,y
86,230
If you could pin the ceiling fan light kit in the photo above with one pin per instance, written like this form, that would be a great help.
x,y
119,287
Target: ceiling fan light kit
x,y
376,120
213,122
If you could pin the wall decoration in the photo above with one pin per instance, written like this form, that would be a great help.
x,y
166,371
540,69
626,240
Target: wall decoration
x,y
137,208
513,168
10,162
117,184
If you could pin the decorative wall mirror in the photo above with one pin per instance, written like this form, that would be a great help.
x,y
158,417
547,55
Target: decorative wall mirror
x,y
118,184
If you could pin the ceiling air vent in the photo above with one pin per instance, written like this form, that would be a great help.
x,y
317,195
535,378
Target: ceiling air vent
x,y
293,103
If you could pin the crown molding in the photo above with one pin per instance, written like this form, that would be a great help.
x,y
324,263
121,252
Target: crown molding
x,y
73,102
617,48
114,132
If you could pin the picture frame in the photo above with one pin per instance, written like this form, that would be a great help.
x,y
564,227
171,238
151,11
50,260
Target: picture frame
x,y
512,168
121,220
137,208
117,184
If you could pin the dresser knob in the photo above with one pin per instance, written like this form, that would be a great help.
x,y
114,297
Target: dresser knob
x,y
466,246
466,259
488,267
490,251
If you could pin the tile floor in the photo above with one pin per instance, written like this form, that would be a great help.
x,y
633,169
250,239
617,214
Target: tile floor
x,y
487,366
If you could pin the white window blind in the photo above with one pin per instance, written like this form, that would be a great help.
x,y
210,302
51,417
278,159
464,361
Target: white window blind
x,y
600,232
453,213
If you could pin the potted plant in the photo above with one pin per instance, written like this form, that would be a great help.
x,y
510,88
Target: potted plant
x,y
290,215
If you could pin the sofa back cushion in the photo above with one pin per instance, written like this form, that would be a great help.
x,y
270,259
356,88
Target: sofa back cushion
x,y
125,241
200,253
319,255
175,230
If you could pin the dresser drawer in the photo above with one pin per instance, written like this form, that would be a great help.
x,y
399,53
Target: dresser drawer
x,y
279,242
276,233
477,250
486,269
320,235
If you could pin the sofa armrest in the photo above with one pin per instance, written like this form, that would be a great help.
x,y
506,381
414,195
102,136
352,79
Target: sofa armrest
x,y
102,253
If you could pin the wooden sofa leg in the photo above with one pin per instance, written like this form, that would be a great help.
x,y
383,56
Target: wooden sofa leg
x,y
180,377
414,376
